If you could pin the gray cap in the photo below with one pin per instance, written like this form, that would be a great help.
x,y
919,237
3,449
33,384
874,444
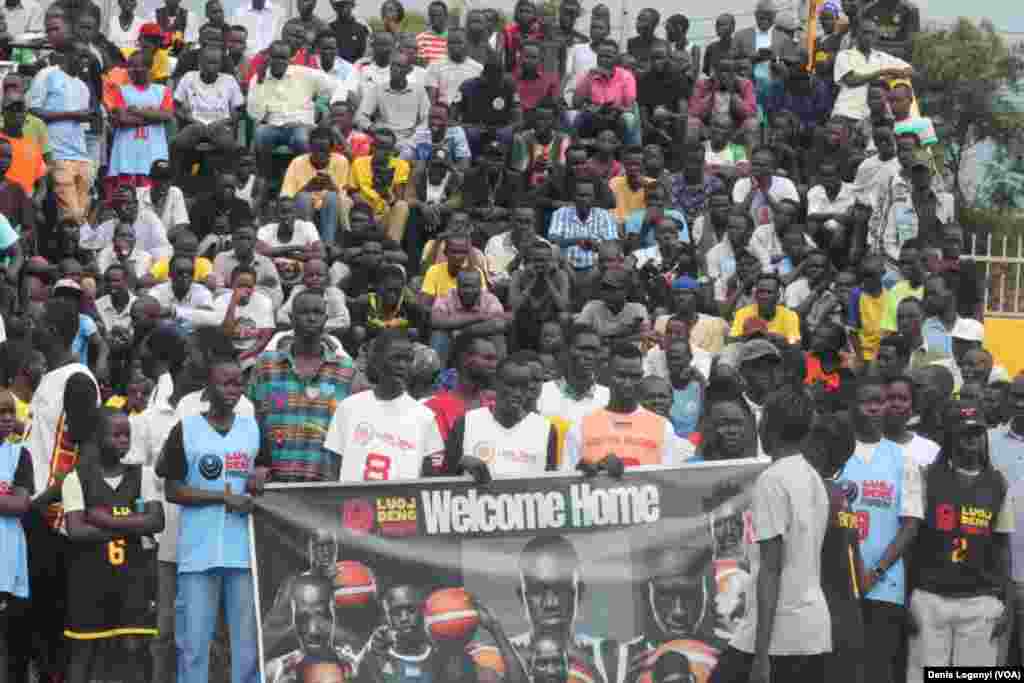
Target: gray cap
x,y
758,348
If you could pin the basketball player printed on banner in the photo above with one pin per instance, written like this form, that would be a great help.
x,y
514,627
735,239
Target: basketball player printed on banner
x,y
353,589
426,640
727,512
680,614
551,590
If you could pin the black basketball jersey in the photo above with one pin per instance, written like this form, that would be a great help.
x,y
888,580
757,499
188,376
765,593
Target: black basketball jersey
x,y
109,591
955,551
839,580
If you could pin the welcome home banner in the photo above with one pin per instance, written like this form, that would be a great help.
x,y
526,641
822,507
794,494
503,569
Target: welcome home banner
x,y
601,578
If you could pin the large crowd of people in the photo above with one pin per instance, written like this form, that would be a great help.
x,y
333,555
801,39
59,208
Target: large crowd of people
x,y
249,250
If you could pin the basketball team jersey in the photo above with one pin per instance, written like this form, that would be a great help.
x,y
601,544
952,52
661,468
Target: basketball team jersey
x,y
13,547
637,438
382,440
520,450
209,536
702,657
876,500
955,552
108,593
53,452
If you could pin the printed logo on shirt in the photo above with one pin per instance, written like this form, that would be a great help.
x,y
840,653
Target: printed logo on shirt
x,y
238,463
486,451
364,433
849,490
210,467
877,494
975,521
5,488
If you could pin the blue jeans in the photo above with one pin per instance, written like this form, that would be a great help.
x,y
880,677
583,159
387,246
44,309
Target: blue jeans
x,y
327,221
440,341
200,594
296,137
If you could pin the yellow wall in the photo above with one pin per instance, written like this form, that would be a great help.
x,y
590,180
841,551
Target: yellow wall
x,y
1004,337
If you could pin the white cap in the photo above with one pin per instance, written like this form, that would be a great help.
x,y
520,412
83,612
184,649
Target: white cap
x,y
968,329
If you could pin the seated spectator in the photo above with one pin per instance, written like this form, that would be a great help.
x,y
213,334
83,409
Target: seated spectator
x,y
630,189
348,140
435,134
559,186
488,106
207,105
245,314
687,383
280,101
642,44
185,244
723,98
724,158
605,97
181,299
812,295
123,251
539,147
243,253
389,305
579,229
163,198
604,163
466,310
294,38
963,277
189,60
906,120
768,238
491,190
767,314
538,296
876,172
656,359
289,237
440,279
221,201
867,304
315,279
149,230
910,284
722,259
318,182
433,194
139,113
830,202
832,383
641,224
379,180
399,105
504,251
663,87
857,67
805,94
26,166
581,56
897,22
611,316
763,190
344,73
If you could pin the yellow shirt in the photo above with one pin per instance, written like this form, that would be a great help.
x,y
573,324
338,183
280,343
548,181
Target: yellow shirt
x,y
361,181
626,200
869,332
23,416
786,323
561,427
301,171
161,268
438,281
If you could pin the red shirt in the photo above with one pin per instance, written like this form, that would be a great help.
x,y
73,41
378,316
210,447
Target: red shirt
x,y
531,92
619,89
449,406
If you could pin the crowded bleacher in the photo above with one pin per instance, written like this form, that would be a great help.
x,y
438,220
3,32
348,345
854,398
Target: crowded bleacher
x,y
233,246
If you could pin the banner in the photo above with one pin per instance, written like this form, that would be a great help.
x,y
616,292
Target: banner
x,y
556,577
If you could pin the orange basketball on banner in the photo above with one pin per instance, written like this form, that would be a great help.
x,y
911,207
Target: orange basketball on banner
x,y
354,584
450,614
702,658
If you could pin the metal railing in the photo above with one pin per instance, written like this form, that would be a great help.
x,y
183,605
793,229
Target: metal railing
x,y
1001,260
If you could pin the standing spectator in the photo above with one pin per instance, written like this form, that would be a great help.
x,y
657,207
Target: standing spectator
x,y
110,590
61,99
787,629
178,23
213,552
23,16
302,385
477,46
445,77
577,393
899,407
892,512
857,67
961,604
962,276
432,44
141,110
897,22
509,423
605,97
26,167
281,103
593,442
581,57
579,229
489,106
725,27
867,306
404,441
687,385
640,45
207,104
263,21
352,34
16,475
911,284
940,325
305,18
524,26
662,86
724,98
318,182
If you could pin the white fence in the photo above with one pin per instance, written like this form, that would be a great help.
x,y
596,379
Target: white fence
x,y
1001,260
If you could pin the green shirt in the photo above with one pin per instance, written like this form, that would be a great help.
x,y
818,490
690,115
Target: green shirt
x,y
900,291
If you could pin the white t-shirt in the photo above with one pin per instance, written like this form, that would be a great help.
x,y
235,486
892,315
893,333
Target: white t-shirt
x,y
304,234
121,38
209,102
251,319
554,403
921,450
781,188
47,408
853,102
790,500
818,201
521,450
382,440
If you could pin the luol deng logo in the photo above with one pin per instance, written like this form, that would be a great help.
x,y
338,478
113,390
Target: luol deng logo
x,y
357,515
364,433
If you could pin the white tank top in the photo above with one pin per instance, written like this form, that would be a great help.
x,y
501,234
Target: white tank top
x,y
521,450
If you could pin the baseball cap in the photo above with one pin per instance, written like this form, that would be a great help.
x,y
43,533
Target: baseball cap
x,y
968,329
756,349
685,282
921,158
67,286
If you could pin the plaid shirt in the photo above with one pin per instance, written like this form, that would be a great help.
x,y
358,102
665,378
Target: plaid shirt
x,y
294,412
567,229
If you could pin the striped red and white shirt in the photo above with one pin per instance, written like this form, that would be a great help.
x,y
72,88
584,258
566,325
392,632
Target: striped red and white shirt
x,y
432,47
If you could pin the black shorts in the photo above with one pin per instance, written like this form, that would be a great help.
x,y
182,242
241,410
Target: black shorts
x,y
106,601
11,608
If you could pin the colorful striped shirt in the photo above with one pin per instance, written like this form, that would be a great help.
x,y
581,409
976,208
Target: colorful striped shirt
x,y
294,412
431,47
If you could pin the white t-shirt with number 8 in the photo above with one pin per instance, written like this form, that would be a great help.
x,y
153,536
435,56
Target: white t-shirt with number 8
x,y
382,440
